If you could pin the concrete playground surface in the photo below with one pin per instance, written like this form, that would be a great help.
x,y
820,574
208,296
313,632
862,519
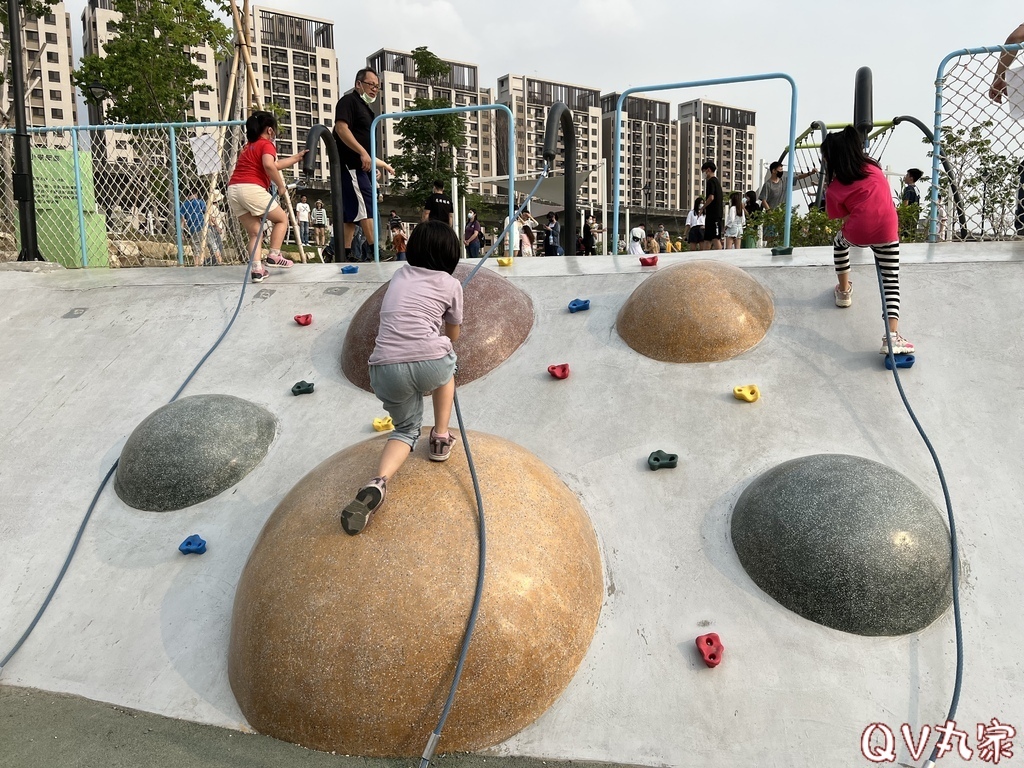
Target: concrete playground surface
x,y
137,626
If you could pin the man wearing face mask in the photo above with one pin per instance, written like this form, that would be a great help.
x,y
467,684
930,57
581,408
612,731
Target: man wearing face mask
x,y
773,192
352,119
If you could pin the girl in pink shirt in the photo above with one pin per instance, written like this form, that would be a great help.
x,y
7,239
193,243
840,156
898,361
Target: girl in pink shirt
x,y
859,194
420,318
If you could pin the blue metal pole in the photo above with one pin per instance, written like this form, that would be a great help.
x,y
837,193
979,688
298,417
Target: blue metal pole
x,y
78,195
429,113
702,83
176,197
940,81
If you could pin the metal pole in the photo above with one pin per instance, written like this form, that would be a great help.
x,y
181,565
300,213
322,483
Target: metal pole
x,y
603,183
176,197
78,195
23,190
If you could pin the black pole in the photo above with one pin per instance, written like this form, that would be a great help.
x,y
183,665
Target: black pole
x,y
561,116
23,191
863,103
335,173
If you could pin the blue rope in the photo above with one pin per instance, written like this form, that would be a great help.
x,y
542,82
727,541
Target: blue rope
x,y
435,736
113,467
954,549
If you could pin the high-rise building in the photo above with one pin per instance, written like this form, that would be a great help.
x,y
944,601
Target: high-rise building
x,y
296,69
649,170
709,130
401,86
530,98
51,97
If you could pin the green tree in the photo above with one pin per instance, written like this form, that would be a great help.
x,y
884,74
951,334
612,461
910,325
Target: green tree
x,y
148,65
428,144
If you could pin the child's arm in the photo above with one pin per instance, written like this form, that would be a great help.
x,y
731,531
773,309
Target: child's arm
x,y
288,162
452,331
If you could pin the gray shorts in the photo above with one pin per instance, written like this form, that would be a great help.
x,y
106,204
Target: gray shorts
x,y
402,387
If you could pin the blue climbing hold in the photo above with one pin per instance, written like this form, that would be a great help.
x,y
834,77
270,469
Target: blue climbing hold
x,y
349,269
193,545
578,305
902,361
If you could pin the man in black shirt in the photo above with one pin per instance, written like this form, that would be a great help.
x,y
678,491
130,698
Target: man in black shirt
x,y
714,209
352,119
590,228
438,206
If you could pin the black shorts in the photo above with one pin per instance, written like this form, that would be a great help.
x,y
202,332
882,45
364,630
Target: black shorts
x,y
713,229
695,235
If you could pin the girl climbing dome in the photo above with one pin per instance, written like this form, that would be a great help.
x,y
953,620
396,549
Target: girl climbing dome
x,y
249,191
859,194
419,320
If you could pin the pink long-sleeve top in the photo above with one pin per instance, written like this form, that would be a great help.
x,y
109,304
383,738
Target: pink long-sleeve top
x,y
869,206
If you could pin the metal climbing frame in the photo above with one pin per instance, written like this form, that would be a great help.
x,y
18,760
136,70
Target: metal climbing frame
x,y
697,84
428,113
984,148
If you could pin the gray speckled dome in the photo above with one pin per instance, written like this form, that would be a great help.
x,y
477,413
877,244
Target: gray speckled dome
x,y
845,542
191,450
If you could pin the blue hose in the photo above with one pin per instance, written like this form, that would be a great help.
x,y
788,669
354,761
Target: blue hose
x,y
954,549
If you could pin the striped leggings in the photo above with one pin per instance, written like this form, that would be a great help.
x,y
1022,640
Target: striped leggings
x,y
887,255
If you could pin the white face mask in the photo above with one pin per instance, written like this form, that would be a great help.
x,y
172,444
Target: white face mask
x,y
368,98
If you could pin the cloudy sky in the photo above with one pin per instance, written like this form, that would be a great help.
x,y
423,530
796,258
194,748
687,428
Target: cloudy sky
x,y
615,44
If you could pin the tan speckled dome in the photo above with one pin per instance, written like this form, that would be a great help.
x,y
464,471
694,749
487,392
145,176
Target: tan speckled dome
x,y
696,312
349,644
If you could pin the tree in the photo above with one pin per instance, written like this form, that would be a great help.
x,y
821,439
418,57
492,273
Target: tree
x,y
148,66
428,144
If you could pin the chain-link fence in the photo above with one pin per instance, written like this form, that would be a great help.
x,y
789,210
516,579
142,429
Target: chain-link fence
x,y
128,196
979,157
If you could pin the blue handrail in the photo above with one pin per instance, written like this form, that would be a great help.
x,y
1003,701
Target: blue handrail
x,y
696,84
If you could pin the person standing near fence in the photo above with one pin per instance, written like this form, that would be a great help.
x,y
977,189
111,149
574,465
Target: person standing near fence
x,y
193,217
249,195
472,236
859,194
302,215
352,119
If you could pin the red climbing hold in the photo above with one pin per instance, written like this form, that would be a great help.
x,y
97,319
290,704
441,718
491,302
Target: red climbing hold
x,y
711,649
303,319
559,371
648,261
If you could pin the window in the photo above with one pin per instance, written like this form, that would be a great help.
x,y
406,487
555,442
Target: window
x,y
327,93
394,87
394,103
325,62
327,108
201,58
51,37
325,77
37,93
50,19
204,105
57,114
204,119
38,112
111,26
55,96
53,57
32,35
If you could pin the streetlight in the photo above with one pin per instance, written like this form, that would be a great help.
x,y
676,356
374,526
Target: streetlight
x,y
96,93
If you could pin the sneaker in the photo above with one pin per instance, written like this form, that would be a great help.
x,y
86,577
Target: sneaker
x,y
844,298
277,260
440,447
900,346
259,274
356,515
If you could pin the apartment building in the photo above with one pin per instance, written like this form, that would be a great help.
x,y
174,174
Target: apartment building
x,y
648,152
529,99
401,86
51,97
709,130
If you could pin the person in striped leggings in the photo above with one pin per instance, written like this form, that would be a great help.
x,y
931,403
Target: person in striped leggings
x,y
859,194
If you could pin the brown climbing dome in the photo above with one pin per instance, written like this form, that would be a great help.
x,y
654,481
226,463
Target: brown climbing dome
x,y
498,318
348,643
696,312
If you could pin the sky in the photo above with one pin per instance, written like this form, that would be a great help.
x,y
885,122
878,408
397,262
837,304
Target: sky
x,y
611,45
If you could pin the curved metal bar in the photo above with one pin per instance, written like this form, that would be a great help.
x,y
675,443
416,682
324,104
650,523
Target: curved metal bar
x,y
316,133
940,82
953,187
560,116
785,249
428,113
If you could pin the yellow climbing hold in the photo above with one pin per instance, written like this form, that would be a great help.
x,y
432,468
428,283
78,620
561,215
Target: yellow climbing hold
x,y
383,425
505,261
748,394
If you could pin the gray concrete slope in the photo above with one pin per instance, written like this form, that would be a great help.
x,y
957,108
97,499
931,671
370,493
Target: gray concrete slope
x,y
139,625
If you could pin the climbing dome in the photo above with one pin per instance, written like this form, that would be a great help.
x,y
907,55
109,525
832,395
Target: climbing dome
x,y
349,643
696,312
845,542
191,450
498,318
